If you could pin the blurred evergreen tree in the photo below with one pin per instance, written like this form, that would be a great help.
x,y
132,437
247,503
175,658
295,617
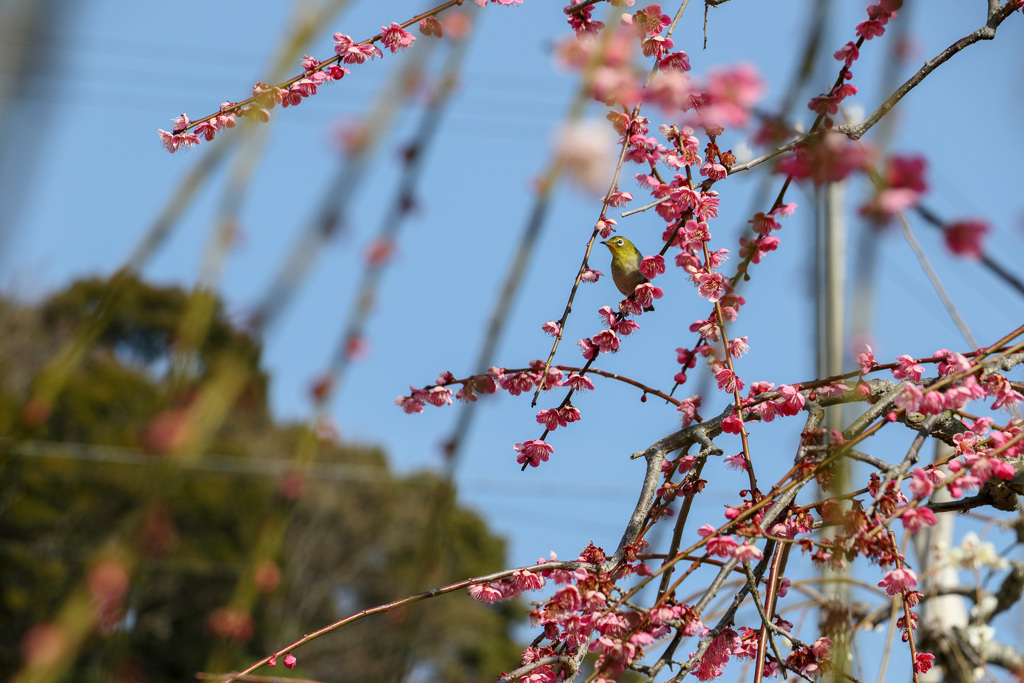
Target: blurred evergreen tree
x,y
234,554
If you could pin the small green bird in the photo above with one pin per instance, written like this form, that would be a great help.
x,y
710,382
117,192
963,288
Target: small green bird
x,y
626,265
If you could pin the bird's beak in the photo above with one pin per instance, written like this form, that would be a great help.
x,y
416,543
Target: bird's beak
x,y
605,242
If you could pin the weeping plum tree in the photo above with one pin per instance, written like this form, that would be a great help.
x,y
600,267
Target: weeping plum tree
x,y
841,470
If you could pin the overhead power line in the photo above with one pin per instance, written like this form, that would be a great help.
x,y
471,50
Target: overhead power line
x,y
276,467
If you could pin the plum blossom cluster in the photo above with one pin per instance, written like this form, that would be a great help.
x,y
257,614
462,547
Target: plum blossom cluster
x,y
832,157
618,80
863,534
982,453
582,612
709,330
724,545
963,381
726,99
827,104
903,185
752,251
809,660
315,74
508,589
515,382
687,209
680,199
827,158
535,451
291,93
767,401
901,581
964,237
860,532
205,130
618,323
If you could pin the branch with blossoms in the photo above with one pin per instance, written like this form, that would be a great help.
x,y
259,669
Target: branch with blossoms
x,y
520,575
700,264
828,105
647,25
907,402
589,611
315,74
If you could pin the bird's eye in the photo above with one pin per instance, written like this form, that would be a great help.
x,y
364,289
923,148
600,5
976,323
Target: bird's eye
x,y
618,242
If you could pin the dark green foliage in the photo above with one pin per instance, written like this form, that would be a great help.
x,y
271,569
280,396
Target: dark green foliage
x,y
203,532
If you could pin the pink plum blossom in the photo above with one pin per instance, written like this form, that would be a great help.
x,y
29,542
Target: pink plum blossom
x,y
791,401
551,419
579,382
353,53
532,452
963,237
915,518
395,38
907,369
898,579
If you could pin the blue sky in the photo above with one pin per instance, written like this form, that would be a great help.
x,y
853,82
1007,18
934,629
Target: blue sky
x,y
119,71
